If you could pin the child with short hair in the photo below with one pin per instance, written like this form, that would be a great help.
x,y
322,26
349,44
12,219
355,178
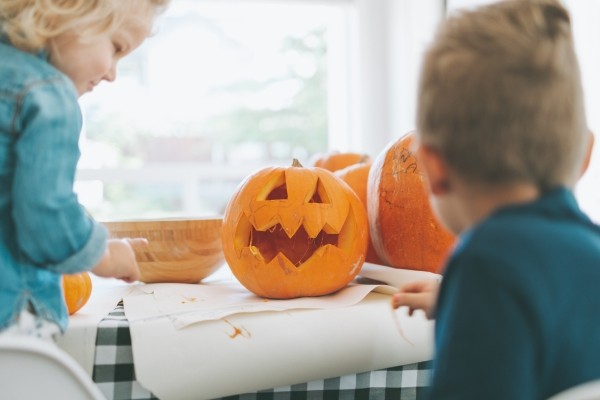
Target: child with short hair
x,y
52,52
502,138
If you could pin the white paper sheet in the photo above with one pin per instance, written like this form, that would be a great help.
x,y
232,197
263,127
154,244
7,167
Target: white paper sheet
x,y
247,350
185,304
395,276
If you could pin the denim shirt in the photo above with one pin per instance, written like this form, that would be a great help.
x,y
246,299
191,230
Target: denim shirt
x,y
44,231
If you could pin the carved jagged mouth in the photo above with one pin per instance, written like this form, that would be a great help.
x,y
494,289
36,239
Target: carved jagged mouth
x,y
299,248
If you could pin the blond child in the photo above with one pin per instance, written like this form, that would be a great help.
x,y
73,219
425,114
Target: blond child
x,y
52,52
503,136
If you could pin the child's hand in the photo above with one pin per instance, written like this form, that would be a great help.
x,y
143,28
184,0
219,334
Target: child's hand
x,y
119,261
419,295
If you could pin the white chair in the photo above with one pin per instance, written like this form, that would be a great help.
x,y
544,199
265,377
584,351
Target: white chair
x,y
31,368
585,391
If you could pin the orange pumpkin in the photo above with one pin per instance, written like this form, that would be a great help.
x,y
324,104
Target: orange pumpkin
x,y
356,176
77,289
293,231
404,229
336,160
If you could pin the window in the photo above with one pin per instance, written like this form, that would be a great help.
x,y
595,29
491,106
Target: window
x,y
228,86
222,89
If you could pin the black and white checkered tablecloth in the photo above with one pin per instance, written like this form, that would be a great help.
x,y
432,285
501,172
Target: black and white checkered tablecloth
x,y
114,373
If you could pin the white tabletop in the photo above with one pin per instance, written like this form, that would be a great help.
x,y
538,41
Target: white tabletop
x,y
369,329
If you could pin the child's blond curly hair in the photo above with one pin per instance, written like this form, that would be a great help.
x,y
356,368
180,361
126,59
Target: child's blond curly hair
x,y
31,24
500,95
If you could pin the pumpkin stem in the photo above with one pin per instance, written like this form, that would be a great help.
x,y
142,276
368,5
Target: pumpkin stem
x,y
296,163
364,158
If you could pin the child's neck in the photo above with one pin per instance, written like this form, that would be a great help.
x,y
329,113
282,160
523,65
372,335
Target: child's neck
x,y
480,201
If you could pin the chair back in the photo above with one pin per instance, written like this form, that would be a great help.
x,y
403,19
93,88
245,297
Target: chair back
x,y
31,368
585,391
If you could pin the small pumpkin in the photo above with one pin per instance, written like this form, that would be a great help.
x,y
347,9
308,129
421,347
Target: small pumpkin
x,y
336,160
294,231
77,289
404,229
356,176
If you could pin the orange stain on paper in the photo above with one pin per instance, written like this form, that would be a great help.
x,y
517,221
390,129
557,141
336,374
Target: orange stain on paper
x,y
189,299
238,331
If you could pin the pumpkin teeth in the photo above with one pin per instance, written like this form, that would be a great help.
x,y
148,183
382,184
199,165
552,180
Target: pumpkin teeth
x,y
283,262
314,226
299,248
263,219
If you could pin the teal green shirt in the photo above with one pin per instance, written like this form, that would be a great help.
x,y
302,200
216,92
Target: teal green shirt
x,y
518,316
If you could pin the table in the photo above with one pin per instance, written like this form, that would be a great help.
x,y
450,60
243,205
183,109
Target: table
x,y
114,373
99,338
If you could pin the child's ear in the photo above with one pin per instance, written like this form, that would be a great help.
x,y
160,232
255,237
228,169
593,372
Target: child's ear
x,y
435,168
588,154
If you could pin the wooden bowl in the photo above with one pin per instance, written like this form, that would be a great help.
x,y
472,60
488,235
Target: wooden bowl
x,y
178,250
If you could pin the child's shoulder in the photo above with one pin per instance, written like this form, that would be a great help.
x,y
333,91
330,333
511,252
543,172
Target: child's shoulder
x,y
553,214
20,70
545,232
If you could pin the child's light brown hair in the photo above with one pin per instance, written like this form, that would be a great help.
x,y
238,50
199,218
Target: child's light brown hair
x,y
500,95
30,25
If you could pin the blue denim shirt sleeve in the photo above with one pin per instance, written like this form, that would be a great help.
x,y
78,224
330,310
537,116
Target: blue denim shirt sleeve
x,y
52,229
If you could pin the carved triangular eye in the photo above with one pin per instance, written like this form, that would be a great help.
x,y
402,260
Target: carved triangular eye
x,y
320,195
315,198
278,193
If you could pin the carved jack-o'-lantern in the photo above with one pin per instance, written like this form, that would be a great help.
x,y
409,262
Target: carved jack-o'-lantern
x,y
294,231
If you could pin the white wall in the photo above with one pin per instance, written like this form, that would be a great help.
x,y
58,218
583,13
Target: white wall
x,y
392,36
585,15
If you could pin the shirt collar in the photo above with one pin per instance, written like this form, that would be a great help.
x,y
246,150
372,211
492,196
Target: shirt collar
x,y
41,54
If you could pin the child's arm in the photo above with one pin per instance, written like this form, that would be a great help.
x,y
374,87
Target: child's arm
x,y
119,260
419,295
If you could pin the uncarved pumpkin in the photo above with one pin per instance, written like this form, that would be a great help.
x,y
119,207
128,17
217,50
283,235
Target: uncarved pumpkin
x,y
404,229
77,289
357,176
293,231
336,160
